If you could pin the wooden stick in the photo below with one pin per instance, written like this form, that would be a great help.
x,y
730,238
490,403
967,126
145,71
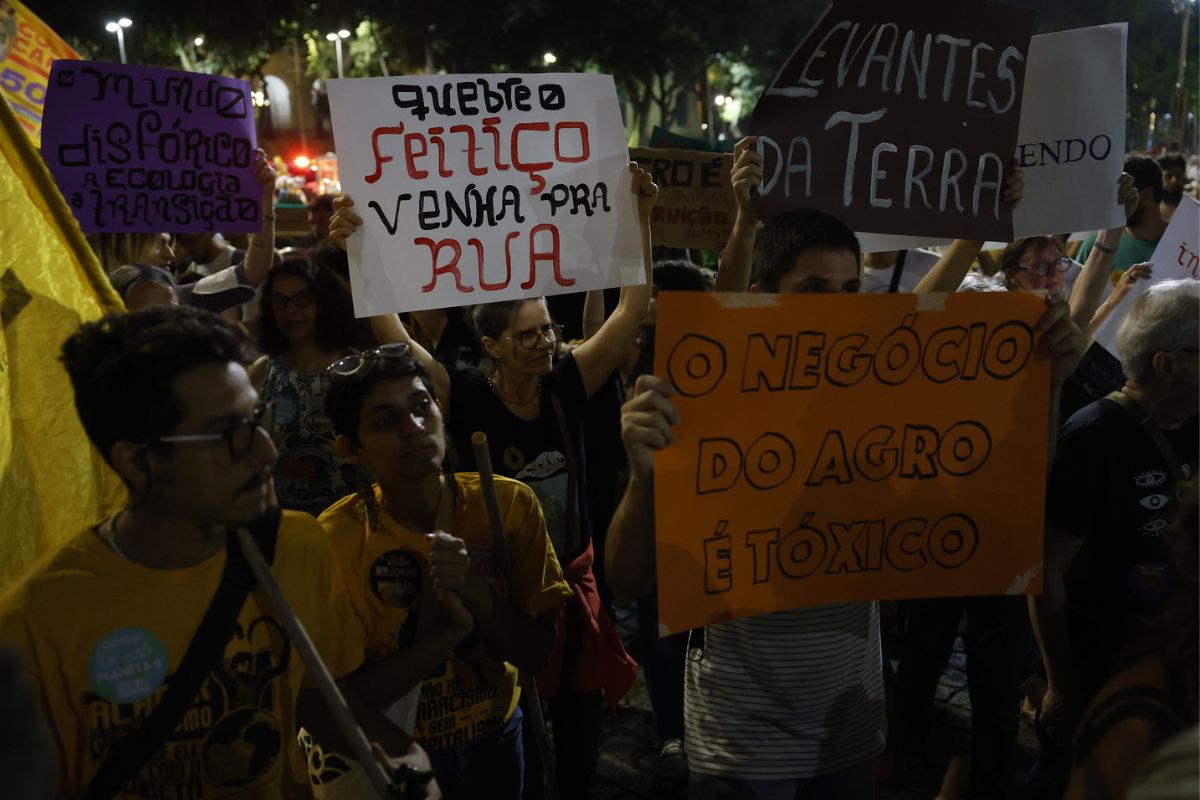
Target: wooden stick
x,y
483,461
312,660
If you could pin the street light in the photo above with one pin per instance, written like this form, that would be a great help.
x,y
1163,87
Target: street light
x,y
198,41
549,58
336,38
118,28
1179,94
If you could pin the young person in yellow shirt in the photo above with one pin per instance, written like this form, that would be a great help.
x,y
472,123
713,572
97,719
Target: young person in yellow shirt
x,y
417,547
103,622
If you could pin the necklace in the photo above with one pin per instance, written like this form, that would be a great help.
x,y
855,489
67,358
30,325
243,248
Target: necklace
x,y
537,393
108,533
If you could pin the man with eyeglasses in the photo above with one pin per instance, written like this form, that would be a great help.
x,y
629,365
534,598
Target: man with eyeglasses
x,y
103,624
1112,494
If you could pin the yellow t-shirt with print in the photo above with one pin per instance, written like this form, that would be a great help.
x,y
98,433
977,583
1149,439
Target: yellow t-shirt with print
x,y
100,636
386,569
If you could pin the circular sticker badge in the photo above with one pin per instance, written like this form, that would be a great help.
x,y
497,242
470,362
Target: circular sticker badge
x,y
127,665
1151,580
514,459
395,578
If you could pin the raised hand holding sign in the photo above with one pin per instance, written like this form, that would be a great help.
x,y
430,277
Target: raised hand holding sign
x,y
141,149
898,118
477,188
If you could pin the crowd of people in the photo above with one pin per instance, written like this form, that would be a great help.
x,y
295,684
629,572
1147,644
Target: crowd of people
x,y
468,620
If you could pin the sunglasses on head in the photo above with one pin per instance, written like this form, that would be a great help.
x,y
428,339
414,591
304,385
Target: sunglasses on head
x,y
361,363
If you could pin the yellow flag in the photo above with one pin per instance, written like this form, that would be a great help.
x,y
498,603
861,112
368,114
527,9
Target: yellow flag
x,y
27,46
53,483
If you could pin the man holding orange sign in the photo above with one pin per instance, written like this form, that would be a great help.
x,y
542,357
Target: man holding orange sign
x,y
801,498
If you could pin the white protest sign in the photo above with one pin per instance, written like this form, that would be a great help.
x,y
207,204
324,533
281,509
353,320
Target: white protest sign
x,y
477,188
1177,256
1071,139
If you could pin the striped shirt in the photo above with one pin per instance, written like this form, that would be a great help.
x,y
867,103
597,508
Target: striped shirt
x,y
789,695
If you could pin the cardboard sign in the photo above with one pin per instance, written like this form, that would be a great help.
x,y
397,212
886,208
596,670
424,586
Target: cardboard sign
x,y
27,46
1177,256
696,206
1071,144
898,118
477,188
839,448
141,149
1071,160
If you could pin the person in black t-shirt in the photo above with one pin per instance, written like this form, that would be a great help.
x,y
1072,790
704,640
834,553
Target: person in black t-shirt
x,y
1112,490
446,333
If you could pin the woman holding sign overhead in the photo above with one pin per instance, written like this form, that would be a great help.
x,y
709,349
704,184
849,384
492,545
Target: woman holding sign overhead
x,y
532,410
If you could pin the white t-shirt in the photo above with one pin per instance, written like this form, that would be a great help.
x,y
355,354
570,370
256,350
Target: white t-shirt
x,y
785,696
223,260
916,265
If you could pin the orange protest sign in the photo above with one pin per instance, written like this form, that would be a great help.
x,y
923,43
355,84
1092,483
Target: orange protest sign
x,y
27,46
837,448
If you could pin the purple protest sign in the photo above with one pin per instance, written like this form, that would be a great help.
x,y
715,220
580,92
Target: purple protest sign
x,y
140,149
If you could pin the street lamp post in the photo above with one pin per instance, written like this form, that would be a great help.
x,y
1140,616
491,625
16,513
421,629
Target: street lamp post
x,y
336,38
118,28
1179,96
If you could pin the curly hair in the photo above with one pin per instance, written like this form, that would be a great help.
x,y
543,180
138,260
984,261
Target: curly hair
x,y
344,399
335,313
123,369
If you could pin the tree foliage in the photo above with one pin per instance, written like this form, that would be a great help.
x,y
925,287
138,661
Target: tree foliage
x,y
239,37
656,50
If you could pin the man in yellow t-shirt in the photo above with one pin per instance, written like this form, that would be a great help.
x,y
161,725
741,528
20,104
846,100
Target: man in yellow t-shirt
x,y
416,550
103,622
102,635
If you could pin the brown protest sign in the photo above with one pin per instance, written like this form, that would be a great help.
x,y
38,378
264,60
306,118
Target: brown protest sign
x,y
898,118
843,448
695,207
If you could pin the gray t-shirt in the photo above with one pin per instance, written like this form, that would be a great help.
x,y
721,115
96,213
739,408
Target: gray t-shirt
x,y
916,265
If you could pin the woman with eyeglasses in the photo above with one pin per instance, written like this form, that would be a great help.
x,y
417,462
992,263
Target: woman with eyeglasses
x,y
1035,263
305,324
1038,263
445,607
532,409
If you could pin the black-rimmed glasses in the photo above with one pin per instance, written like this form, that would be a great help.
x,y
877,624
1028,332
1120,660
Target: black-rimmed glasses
x,y
365,361
239,436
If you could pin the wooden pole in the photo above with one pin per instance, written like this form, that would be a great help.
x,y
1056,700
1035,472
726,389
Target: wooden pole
x,y
312,660
483,461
